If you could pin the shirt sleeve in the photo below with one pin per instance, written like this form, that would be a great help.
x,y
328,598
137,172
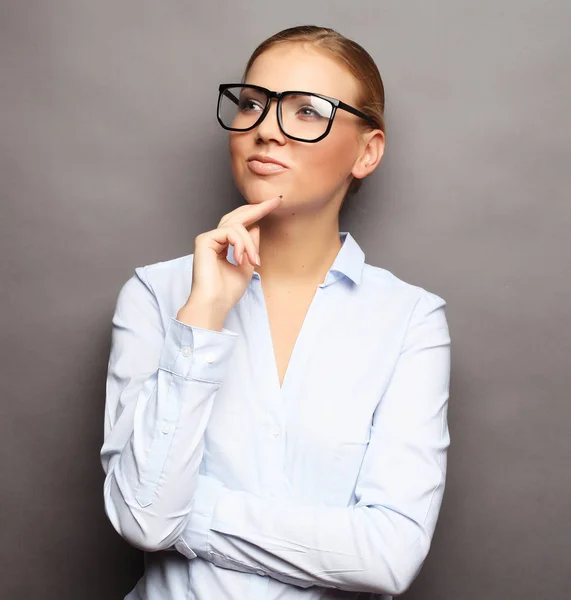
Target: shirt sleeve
x,y
379,544
160,391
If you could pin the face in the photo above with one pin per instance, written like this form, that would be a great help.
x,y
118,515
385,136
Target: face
x,y
315,173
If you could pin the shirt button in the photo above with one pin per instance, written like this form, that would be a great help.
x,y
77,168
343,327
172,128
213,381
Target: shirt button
x,y
186,351
167,428
260,573
210,357
275,430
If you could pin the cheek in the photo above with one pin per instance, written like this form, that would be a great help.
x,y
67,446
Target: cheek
x,y
237,150
329,160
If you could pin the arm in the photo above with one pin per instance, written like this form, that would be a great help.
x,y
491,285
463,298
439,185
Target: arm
x,y
159,394
378,545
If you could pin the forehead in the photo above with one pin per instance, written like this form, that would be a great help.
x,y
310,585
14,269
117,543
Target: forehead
x,y
301,66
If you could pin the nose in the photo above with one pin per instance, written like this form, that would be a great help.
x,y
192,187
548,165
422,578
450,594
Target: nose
x,y
269,128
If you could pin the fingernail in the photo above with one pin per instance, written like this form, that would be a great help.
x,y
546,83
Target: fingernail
x,y
258,259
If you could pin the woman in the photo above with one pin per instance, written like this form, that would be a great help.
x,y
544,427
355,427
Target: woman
x,y
276,425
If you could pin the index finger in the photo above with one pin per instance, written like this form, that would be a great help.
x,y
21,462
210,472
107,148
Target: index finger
x,y
250,213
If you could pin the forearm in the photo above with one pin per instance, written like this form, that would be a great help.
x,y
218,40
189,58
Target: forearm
x,y
357,548
160,392
149,485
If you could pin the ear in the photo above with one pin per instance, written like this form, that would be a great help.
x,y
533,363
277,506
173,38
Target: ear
x,y
372,149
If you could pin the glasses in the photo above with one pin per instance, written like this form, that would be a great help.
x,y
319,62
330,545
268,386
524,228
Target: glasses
x,y
302,116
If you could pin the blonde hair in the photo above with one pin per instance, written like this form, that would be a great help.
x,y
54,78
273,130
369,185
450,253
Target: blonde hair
x,y
354,57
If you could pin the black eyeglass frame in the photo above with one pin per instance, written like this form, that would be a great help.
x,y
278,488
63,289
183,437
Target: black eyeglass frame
x,y
278,96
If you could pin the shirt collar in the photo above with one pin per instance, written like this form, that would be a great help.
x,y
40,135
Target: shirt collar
x,y
349,261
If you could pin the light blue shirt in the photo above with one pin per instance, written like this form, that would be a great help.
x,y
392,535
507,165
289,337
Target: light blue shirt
x,y
239,489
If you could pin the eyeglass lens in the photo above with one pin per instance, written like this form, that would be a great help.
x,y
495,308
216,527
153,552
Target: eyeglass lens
x,y
303,116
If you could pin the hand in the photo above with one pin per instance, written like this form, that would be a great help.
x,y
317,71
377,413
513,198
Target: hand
x,y
215,281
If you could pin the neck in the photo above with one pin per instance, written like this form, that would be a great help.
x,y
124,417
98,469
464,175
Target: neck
x,y
298,248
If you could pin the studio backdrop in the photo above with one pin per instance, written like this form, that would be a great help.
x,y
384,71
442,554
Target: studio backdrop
x,y
112,158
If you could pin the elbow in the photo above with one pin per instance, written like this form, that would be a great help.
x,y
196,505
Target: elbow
x,y
395,575
147,544
145,541
137,526
143,532
410,563
400,586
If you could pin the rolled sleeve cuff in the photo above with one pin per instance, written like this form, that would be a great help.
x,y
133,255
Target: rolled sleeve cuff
x,y
195,353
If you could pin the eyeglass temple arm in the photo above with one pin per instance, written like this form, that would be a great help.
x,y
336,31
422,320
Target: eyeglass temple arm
x,y
356,112
231,96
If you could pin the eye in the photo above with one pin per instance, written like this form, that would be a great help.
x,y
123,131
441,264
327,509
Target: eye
x,y
249,104
309,111
308,107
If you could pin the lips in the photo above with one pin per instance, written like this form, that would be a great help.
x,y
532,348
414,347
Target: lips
x,y
265,165
267,159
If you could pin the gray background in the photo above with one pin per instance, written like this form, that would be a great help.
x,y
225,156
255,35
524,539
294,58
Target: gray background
x,y
112,158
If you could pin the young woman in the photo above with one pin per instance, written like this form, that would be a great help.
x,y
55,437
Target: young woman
x,y
276,412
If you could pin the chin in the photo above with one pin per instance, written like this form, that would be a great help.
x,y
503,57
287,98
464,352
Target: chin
x,y
258,191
